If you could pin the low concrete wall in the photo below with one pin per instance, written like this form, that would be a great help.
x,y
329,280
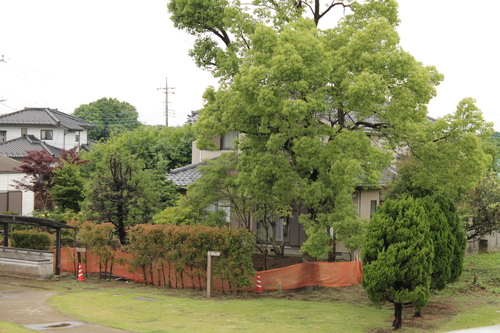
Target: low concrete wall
x,y
26,262
489,243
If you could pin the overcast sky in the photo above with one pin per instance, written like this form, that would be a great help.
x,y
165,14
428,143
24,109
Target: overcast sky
x,y
62,54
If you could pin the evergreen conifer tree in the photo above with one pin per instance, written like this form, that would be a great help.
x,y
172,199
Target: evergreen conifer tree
x,y
398,256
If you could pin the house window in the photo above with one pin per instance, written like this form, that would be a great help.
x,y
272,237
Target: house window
x,y
11,201
46,135
24,131
279,224
77,137
227,141
3,136
373,207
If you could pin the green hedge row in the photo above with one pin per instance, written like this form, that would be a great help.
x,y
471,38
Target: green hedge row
x,y
176,252
186,248
31,239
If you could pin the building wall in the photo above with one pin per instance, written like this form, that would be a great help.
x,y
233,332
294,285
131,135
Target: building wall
x,y
363,201
198,155
489,243
61,139
6,186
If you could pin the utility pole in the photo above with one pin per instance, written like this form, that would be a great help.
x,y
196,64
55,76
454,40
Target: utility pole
x,y
166,90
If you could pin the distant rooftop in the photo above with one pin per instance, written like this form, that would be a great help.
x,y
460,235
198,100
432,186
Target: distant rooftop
x,y
17,148
185,175
7,165
188,174
45,116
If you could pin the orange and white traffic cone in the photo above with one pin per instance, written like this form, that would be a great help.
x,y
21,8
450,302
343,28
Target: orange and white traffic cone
x,y
80,273
258,285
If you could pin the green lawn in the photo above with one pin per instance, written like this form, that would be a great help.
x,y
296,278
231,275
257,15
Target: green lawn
x,y
142,308
119,308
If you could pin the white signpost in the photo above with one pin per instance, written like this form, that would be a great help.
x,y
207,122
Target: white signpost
x,y
209,270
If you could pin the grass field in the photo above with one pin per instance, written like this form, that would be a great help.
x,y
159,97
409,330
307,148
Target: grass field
x,y
142,308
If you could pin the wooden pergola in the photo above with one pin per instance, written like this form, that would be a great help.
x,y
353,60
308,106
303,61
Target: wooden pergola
x,y
5,220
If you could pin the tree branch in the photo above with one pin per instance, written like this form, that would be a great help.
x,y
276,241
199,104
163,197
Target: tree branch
x,y
221,33
330,7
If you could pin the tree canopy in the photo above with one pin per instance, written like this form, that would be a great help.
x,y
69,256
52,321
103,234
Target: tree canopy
x,y
160,148
323,109
319,110
448,155
127,174
109,114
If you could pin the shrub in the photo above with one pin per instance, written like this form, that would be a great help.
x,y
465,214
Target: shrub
x,y
185,247
31,239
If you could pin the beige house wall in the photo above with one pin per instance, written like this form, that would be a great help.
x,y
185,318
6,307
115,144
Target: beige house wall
x,y
363,198
198,155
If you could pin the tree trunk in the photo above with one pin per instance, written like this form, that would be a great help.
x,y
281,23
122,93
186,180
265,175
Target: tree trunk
x,y
111,268
122,234
398,316
164,277
333,253
265,259
144,274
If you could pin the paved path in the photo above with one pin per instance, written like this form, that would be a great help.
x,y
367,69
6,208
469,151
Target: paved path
x,y
28,308
487,329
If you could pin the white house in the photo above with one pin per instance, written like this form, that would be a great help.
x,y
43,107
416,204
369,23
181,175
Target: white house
x,y
41,126
11,199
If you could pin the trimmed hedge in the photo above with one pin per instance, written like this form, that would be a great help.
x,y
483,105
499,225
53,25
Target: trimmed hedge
x,y
175,252
31,239
186,247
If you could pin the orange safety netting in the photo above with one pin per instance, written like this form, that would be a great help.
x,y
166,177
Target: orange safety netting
x,y
325,274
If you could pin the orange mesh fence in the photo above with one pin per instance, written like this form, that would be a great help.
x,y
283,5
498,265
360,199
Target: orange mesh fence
x,y
325,274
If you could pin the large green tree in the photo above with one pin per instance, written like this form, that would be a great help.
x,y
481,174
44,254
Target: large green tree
x,y
320,109
109,114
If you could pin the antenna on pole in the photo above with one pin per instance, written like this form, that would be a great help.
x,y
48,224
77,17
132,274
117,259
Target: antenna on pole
x,y
166,91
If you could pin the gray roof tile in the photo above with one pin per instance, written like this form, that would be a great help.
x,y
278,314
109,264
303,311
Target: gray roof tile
x,y
188,174
46,117
7,165
185,175
17,148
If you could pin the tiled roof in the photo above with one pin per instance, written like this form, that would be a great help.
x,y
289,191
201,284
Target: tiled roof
x,y
388,175
17,148
185,175
46,117
188,174
7,165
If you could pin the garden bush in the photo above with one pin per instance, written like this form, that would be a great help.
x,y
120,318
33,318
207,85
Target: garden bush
x,y
31,239
185,247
